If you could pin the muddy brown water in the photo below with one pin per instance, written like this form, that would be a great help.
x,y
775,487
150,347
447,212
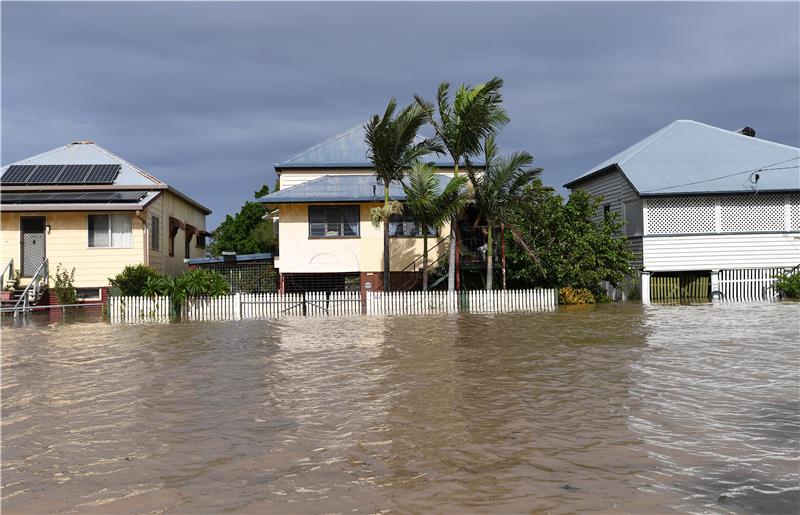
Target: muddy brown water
x,y
619,408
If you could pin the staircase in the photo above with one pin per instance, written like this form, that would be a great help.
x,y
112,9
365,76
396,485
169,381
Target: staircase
x,y
22,298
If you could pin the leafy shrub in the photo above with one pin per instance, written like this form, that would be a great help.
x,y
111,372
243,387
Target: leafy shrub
x,y
132,279
198,282
64,285
789,285
570,295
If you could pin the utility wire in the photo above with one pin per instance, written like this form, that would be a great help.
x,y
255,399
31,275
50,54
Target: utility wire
x,y
752,170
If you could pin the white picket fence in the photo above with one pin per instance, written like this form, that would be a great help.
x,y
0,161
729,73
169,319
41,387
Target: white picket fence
x,y
748,285
241,306
478,301
138,309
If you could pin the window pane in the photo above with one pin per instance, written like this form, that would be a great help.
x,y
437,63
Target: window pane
x,y
121,231
155,233
333,221
98,231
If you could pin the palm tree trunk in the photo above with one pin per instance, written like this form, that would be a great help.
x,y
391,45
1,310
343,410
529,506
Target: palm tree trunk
x,y
489,259
424,258
387,276
503,252
451,259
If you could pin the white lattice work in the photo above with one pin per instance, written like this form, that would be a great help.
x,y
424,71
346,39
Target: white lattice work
x,y
680,215
752,213
794,200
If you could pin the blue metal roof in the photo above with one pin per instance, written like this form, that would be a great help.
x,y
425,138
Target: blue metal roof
x,y
229,259
341,188
345,150
688,157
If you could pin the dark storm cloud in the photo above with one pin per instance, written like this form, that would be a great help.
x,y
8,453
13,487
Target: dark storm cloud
x,y
207,96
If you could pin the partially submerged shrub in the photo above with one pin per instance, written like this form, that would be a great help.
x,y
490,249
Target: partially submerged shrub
x,y
788,285
132,279
193,283
569,295
64,285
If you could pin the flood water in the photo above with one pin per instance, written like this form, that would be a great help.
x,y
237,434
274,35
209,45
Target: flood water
x,y
614,408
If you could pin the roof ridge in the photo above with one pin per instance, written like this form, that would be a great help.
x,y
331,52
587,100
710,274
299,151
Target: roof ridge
x,y
62,147
653,137
323,142
736,133
135,168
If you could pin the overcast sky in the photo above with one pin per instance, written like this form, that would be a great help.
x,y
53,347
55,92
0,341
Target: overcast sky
x,y
208,96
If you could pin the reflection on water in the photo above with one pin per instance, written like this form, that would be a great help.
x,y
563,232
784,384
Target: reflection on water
x,y
615,408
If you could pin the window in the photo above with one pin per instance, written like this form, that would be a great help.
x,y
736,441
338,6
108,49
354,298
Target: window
x,y
404,226
633,218
110,231
155,233
201,240
333,222
606,211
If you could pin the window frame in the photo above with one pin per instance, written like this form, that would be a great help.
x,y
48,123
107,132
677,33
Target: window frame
x,y
432,231
110,231
155,233
355,207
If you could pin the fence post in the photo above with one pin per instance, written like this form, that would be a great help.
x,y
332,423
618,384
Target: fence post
x,y
237,306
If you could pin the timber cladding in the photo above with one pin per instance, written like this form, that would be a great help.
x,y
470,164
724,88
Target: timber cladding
x,y
680,286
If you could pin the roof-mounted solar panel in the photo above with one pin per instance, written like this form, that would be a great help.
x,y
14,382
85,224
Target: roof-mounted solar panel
x,y
73,197
74,174
45,174
17,174
103,174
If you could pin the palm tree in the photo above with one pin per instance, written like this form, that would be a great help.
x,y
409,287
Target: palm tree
x,y
462,125
430,208
393,147
497,190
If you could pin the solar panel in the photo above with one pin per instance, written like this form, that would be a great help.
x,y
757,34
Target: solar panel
x,y
75,197
74,174
17,174
103,174
45,174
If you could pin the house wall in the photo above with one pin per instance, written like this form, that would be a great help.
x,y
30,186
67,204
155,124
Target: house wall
x,y
68,244
169,205
722,232
300,254
292,177
618,194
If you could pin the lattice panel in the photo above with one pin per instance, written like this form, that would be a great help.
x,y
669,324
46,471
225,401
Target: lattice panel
x,y
680,215
794,200
752,213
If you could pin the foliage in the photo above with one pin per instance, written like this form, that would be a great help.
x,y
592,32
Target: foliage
x,y
379,215
430,208
244,233
573,245
262,192
569,295
192,283
461,125
788,285
497,191
393,147
64,285
132,279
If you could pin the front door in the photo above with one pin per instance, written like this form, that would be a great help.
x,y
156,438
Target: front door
x,y
32,244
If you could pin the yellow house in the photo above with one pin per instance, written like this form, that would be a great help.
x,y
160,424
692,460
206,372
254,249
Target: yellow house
x,y
326,239
82,206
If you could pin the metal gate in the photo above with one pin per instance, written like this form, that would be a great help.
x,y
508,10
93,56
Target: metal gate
x,y
32,244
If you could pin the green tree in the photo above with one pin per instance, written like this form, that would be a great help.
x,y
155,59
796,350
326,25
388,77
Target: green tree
x,y
497,192
574,245
430,208
461,126
246,232
393,147
132,279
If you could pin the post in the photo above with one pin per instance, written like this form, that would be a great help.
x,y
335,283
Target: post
x,y
237,306
715,293
645,287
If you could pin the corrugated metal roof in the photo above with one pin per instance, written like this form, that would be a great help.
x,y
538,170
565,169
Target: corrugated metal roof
x,y
345,150
340,188
236,258
89,153
688,157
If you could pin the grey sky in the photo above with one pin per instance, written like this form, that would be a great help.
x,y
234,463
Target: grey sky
x,y
208,96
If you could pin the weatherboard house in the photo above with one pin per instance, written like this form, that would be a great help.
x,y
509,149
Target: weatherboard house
x,y
706,210
82,206
325,235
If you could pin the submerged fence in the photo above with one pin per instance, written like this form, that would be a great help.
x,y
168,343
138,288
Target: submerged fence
x,y
749,285
243,306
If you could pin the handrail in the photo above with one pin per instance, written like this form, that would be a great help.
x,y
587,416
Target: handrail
x,y
8,268
42,275
412,265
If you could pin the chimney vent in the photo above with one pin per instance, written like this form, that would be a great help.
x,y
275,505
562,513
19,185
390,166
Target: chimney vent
x,y
83,142
747,131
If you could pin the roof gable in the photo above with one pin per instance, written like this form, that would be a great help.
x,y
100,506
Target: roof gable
x,y
89,153
347,149
688,157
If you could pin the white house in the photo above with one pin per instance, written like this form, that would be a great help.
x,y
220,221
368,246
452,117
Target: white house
x,y
707,210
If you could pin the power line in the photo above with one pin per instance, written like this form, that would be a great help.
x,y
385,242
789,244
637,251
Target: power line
x,y
752,170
